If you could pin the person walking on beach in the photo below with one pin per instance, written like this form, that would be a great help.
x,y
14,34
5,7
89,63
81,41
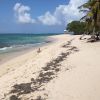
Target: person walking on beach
x,y
39,50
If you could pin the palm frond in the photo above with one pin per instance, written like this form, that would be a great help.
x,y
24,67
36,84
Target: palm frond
x,y
83,18
84,10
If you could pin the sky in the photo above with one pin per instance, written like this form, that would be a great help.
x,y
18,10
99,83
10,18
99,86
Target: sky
x,y
38,16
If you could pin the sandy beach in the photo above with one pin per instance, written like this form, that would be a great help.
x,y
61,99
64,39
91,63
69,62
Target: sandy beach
x,y
67,69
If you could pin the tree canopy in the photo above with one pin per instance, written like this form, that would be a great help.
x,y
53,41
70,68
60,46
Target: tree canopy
x,y
77,27
90,23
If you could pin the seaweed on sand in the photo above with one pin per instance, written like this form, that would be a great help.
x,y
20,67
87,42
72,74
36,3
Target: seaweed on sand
x,y
14,97
45,75
67,44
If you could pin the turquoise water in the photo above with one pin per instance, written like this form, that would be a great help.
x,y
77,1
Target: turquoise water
x,y
15,42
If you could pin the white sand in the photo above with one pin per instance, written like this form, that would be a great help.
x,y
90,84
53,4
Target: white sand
x,y
80,82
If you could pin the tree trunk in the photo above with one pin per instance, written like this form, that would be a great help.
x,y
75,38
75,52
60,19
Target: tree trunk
x,y
98,16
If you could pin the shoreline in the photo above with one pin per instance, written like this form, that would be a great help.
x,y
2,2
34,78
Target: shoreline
x,y
6,57
15,56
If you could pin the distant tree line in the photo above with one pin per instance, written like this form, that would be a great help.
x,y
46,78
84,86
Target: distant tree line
x,y
77,27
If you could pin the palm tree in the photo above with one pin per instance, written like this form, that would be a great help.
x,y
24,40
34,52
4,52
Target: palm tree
x,y
92,17
97,15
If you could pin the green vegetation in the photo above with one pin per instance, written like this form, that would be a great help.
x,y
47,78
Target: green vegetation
x,y
91,20
77,27
92,17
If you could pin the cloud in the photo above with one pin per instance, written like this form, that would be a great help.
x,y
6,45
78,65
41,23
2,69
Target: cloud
x,y
22,13
48,19
63,14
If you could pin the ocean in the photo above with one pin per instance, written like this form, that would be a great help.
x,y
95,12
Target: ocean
x,y
16,42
